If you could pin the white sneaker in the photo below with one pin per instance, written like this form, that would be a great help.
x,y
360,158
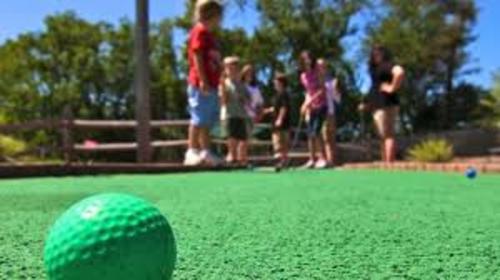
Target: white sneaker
x,y
209,158
310,164
320,164
192,158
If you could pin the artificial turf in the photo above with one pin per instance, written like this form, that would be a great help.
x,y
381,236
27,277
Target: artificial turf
x,y
293,225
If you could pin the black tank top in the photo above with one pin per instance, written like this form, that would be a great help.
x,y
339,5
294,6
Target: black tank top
x,y
378,99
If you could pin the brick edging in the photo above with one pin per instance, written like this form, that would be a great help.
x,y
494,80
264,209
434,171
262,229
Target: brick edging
x,y
420,166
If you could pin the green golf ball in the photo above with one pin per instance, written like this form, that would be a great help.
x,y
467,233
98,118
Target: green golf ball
x,y
108,237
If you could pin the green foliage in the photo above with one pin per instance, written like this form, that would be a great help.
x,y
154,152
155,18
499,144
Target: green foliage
x,y
430,39
285,29
10,146
90,65
463,103
432,150
87,65
489,109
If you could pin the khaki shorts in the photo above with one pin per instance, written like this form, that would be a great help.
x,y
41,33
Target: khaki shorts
x,y
385,121
280,140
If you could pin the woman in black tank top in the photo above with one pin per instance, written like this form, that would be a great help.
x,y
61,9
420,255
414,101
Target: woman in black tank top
x,y
379,98
383,99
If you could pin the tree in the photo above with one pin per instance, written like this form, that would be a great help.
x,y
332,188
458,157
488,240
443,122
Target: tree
x,y
489,108
430,39
286,28
318,26
89,67
44,71
465,100
167,98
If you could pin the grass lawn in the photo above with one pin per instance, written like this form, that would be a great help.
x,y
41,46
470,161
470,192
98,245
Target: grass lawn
x,y
293,225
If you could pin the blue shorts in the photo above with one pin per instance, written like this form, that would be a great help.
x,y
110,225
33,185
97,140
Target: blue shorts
x,y
203,109
315,123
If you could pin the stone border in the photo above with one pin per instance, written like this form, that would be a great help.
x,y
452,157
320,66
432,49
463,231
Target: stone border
x,y
44,170
420,166
57,170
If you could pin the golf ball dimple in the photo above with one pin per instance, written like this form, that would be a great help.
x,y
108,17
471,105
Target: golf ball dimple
x,y
110,236
91,211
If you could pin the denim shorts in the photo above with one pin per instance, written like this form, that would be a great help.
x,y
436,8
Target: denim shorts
x,y
203,109
315,122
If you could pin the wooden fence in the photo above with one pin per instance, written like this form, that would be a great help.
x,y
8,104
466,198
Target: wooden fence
x,y
68,126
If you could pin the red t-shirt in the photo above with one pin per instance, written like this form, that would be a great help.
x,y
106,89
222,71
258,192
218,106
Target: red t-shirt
x,y
202,40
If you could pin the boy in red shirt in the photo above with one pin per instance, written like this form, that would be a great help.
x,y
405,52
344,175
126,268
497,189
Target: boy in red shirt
x,y
204,75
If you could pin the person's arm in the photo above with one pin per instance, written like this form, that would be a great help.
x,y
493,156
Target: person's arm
x,y
303,81
259,112
365,105
309,100
244,96
317,94
330,99
259,108
199,64
268,111
223,97
337,95
397,80
283,111
305,105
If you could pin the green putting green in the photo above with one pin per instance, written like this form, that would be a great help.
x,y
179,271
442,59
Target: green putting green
x,y
293,225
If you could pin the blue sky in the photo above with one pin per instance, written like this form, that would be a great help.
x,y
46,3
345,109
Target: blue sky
x,y
27,15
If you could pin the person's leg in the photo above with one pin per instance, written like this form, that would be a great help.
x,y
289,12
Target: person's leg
x,y
325,133
192,156
329,139
276,144
227,136
204,138
193,136
382,150
239,127
278,149
320,148
206,155
231,141
244,134
232,146
312,139
319,143
311,143
321,161
196,119
379,118
390,140
285,143
390,149
333,145
243,152
211,116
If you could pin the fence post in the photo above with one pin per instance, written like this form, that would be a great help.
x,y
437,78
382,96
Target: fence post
x,y
142,82
67,134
